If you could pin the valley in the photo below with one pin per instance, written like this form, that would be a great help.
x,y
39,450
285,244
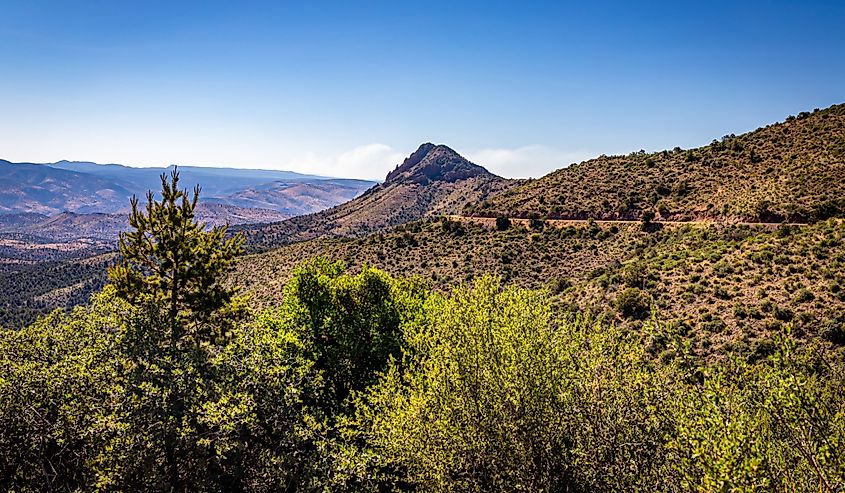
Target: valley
x,y
68,210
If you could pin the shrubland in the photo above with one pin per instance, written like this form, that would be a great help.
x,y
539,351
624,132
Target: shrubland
x,y
728,289
172,380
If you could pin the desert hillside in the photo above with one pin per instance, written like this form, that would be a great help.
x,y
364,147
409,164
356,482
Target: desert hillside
x,y
786,171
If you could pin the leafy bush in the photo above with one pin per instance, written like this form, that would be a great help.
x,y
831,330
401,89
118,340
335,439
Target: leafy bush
x,y
633,303
503,223
634,275
494,397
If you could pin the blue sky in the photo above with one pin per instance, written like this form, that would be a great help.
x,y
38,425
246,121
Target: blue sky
x,y
350,88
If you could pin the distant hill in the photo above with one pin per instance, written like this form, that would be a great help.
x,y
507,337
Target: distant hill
x,y
295,198
69,209
792,170
434,180
34,188
214,181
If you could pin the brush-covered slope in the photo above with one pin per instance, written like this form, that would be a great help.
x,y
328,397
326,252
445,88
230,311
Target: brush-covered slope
x,y
434,180
34,290
792,170
727,289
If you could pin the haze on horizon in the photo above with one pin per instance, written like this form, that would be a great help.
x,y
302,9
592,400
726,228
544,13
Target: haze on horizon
x,y
343,89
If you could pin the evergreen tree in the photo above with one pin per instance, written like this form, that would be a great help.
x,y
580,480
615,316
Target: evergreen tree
x,y
172,270
172,261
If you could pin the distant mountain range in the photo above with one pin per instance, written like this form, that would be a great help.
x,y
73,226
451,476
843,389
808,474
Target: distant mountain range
x,y
84,187
72,209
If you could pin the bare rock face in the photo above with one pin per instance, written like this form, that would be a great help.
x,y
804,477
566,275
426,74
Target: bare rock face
x,y
432,163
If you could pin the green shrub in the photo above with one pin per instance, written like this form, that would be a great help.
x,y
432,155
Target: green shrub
x,y
633,303
497,398
503,223
833,331
634,275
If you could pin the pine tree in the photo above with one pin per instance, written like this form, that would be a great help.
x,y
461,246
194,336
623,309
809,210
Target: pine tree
x,y
170,260
172,270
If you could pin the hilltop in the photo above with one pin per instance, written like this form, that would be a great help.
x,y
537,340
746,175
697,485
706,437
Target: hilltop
x,y
786,171
434,180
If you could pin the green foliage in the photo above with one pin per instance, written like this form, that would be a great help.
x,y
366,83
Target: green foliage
x,y
76,412
536,223
350,325
503,223
170,260
778,426
54,375
483,389
646,218
634,275
497,398
492,395
171,271
633,303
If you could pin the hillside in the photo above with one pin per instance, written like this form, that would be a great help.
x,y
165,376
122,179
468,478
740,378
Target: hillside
x,y
791,170
434,180
34,188
33,290
729,289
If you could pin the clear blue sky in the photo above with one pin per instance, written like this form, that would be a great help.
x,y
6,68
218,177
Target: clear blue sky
x,y
349,88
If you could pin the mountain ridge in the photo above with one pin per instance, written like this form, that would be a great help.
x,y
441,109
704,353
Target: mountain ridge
x,y
82,186
791,170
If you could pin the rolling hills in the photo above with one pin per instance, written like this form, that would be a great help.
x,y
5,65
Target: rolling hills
x,y
84,187
791,170
71,209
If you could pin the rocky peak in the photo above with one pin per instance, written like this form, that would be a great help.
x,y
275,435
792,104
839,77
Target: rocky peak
x,y
434,163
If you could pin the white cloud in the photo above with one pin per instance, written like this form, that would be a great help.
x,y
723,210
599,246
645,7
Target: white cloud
x,y
370,161
528,161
